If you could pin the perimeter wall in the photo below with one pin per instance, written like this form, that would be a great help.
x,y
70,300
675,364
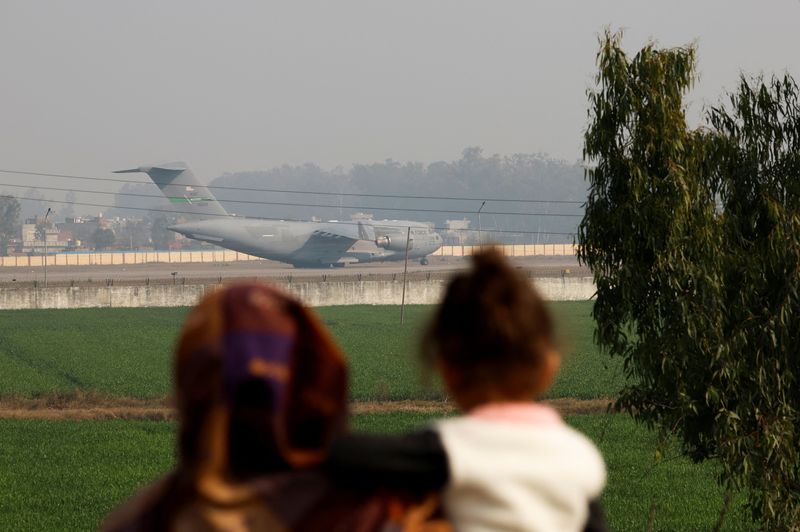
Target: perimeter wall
x,y
316,293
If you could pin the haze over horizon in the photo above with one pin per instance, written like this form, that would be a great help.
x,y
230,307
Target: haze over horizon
x,y
92,86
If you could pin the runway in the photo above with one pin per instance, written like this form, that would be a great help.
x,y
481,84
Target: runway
x,y
195,272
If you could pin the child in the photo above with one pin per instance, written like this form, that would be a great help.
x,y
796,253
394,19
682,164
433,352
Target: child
x,y
507,463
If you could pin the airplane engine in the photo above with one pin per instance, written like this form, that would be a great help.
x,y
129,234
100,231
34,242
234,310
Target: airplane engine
x,y
392,243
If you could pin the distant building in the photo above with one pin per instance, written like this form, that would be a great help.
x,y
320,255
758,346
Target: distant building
x,y
31,243
458,233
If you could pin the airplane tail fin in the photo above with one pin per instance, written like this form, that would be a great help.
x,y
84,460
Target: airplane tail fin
x,y
183,190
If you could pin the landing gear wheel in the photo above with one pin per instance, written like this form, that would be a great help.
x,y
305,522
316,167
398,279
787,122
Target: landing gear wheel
x,y
423,261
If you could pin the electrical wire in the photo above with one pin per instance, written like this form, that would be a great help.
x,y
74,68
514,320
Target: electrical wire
x,y
284,191
342,222
285,204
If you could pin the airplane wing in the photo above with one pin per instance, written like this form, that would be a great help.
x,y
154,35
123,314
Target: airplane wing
x,y
329,242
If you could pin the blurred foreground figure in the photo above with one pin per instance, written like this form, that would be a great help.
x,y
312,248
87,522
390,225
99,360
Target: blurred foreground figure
x,y
261,392
508,463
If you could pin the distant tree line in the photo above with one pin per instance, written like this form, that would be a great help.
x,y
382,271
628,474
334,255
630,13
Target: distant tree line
x,y
474,175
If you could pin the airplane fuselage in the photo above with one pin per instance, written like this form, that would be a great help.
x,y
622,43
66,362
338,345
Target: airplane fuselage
x,y
302,244
312,244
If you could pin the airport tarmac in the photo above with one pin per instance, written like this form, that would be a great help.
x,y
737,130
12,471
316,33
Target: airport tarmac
x,y
185,272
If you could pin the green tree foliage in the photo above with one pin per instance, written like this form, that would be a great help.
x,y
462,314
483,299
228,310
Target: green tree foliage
x,y
159,234
41,229
34,205
68,209
103,238
135,234
9,221
475,174
693,237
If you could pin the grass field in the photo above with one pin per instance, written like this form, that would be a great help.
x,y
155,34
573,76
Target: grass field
x,y
128,351
65,475
57,475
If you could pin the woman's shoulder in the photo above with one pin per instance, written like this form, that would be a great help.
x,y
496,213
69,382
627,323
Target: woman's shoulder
x,y
296,500
130,515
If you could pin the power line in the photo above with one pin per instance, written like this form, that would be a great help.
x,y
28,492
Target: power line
x,y
341,222
285,204
284,191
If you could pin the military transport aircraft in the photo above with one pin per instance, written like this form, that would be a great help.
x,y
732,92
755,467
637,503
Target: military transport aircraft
x,y
299,243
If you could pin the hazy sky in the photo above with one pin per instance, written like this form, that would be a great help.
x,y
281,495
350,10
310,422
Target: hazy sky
x,y
92,86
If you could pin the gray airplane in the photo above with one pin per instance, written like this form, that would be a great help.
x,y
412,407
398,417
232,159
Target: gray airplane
x,y
301,244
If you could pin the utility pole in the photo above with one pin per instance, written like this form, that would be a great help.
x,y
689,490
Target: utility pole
x,y
44,226
480,234
405,272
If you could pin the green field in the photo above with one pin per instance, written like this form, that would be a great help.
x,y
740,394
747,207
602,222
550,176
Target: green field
x,y
61,475
68,474
128,351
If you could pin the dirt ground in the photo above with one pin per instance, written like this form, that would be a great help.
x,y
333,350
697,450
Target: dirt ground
x,y
89,406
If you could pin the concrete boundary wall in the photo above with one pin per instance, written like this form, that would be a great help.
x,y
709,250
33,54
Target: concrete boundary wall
x,y
516,250
124,257
175,257
312,293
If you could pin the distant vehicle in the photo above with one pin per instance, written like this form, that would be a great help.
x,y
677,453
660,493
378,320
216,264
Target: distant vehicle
x,y
299,243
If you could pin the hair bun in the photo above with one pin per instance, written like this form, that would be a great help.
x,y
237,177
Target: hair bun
x,y
490,261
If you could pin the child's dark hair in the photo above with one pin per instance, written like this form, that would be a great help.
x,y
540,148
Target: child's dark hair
x,y
492,328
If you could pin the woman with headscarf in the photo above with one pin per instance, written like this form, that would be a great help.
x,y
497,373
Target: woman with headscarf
x,y
261,391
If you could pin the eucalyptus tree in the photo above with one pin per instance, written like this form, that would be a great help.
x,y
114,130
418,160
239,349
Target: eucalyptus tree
x,y
693,237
